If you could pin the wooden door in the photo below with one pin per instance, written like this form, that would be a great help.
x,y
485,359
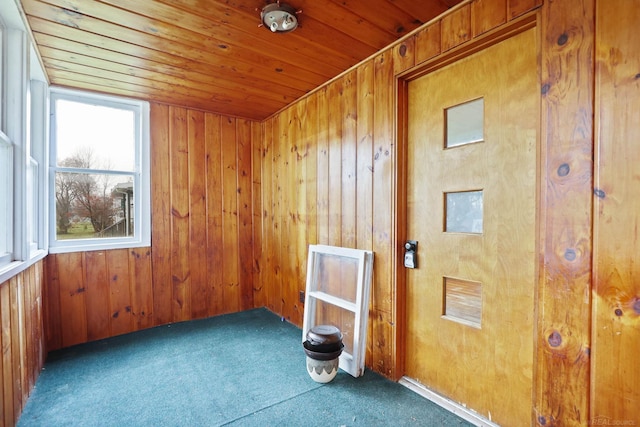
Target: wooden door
x,y
471,205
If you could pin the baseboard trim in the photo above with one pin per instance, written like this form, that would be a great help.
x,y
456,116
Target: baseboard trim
x,y
451,406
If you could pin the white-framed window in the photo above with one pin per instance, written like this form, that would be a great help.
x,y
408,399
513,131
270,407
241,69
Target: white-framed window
x,y
23,147
99,172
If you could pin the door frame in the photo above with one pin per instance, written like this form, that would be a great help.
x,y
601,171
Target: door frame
x,y
517,26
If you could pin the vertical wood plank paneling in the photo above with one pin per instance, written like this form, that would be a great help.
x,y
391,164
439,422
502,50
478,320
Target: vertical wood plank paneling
x,y
51,306
214,213
7,361
287,193
348,163
294,198
278,262
299,203
117,263
244,200
97,295
73,322
257,154
21,340
26,339
35,330
383,244
311,176
364,189
267,277
180,221
520,7
615,396
563,341
310,129
323,167
17,342
334,153
456,28
404,55
161,213
487,15
428,42
231,292
141,288
265,287
200,294
382,176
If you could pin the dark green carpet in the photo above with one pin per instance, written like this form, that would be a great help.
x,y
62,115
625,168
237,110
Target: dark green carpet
x,y
243,369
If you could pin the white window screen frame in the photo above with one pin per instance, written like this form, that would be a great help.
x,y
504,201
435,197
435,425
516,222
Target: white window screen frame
x,y
141,175
352,363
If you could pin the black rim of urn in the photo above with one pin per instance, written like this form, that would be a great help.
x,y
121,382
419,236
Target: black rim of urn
x,y
324,342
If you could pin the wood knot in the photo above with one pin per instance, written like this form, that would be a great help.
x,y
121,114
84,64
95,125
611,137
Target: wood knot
x,y
570,254
564,169
563,39
555,339
545,88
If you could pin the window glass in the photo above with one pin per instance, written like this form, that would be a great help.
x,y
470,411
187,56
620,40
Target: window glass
x,y
463,212
95,136
464,123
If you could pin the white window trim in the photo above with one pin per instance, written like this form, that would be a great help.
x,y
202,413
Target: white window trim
x,y
38,153
6,181
142,186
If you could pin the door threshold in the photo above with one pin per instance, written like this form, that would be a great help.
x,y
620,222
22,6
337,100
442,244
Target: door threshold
x,y
451,406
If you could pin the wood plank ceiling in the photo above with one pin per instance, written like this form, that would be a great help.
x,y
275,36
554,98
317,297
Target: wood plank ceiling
x,y
212,54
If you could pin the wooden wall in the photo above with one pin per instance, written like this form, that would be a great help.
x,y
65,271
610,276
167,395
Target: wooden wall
x,y
615,384
97,294
202,213
22,340
200,262
330,170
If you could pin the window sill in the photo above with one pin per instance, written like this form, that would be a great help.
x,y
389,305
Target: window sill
x,y
83,247
16,267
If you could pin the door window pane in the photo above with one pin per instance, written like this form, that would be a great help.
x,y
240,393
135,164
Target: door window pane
x,y
463,212
464,123
463,301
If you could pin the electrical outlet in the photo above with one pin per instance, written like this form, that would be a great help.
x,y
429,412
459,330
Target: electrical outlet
x,y
301,296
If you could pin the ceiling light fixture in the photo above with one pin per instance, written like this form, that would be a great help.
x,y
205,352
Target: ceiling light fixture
x,y
279,17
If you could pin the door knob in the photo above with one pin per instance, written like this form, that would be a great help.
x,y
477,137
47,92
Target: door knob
x,y
411,254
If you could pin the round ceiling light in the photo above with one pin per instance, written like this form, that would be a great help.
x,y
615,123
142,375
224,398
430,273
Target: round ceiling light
x,y
279,17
